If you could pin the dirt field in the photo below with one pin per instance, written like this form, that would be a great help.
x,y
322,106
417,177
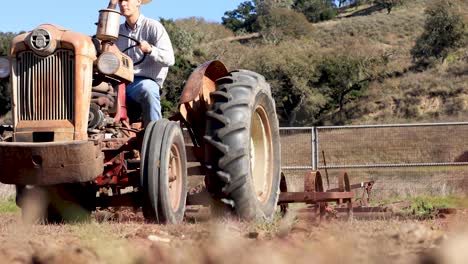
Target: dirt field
x,y
126,239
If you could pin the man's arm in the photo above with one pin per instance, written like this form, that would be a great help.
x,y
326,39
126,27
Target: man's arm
x,y
162,50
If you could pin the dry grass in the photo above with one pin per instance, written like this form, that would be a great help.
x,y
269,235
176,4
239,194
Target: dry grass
x,y
437,94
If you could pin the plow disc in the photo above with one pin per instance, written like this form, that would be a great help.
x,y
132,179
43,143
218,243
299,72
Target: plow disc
x,y
315,196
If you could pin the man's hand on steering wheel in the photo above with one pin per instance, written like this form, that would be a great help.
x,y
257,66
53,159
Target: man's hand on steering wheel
x,y
145,47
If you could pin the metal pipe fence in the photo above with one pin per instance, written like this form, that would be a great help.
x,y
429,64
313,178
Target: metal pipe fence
x,y
403,159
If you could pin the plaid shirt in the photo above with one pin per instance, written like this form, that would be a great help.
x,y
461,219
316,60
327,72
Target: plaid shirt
x,y
156,64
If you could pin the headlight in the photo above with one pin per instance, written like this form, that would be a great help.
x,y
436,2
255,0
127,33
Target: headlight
x,y
4,67
108,63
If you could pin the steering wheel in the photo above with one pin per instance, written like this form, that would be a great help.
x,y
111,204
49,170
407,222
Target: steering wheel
x,y
137,43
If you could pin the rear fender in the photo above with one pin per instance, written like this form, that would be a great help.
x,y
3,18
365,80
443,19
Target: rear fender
x,y
195,99
196,94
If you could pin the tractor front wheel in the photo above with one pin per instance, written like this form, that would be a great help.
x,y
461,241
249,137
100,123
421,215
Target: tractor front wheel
x,y
163,170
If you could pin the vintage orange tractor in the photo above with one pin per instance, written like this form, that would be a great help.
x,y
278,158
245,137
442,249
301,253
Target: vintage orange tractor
x,y
75,149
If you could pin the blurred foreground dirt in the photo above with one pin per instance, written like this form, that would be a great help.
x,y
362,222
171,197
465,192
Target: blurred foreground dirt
x,y
125,238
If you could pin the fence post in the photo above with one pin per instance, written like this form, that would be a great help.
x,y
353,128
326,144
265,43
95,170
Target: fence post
x,y
314,148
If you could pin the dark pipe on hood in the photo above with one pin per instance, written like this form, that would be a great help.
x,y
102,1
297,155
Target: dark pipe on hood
x,y
112,4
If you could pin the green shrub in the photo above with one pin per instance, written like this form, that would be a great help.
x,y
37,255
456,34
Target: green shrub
x,y
182,40
444,30
426,206
281,23
316,10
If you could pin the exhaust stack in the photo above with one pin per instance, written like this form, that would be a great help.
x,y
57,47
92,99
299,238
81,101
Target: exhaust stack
x,y
108,23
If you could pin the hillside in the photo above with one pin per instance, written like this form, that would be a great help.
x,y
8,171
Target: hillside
x,y
395,90
401,94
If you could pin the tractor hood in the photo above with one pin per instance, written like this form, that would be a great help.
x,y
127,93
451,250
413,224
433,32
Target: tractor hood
x,y
47,38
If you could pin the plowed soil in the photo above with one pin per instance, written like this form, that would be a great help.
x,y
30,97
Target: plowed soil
x,y
123,237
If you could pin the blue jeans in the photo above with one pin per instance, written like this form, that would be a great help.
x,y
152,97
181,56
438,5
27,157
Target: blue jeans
x,y
143,94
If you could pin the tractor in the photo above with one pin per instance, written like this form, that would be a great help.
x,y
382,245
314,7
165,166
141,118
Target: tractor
x,y
73,147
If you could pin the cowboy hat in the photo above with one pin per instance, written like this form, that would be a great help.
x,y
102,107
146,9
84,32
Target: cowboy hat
x,y
145,1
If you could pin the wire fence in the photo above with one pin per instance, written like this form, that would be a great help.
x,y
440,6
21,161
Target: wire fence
x,y
403,159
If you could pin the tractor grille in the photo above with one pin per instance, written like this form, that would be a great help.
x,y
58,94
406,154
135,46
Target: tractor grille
x,y
45,86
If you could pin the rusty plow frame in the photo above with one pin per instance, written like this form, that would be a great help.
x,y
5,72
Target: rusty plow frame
x,y
319,200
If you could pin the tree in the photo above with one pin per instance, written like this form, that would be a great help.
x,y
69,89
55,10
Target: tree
x,y
316,10
388,4
266,5
444,30
340,79
241,19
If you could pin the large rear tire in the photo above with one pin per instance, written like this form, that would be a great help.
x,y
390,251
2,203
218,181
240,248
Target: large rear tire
x,y
242,146
164,173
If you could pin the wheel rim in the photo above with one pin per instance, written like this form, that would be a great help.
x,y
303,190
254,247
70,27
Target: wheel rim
x,y
175,178
261,154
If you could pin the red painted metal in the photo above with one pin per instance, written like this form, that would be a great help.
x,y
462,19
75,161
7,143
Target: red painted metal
x,y
121,104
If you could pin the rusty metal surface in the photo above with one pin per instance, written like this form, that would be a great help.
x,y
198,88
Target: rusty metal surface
x,y
366,191
125,71
313,181
373,209
46,89
343,183
195,98
313,197
40,81
212,70
116,143
49,163
362,185
108,24
63,130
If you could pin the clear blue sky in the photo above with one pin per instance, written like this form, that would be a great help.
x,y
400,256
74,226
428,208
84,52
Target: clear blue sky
x,y
80,16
